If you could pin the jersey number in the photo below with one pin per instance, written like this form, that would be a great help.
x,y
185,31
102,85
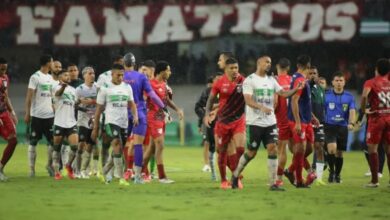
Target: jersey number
x,y
384,97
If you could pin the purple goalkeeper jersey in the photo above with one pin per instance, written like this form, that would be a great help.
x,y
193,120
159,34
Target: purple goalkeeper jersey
x,y
140,85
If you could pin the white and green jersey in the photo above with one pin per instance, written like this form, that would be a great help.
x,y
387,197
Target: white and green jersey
x,y
104,80
262,90
65,107
85,92
41,103
116,99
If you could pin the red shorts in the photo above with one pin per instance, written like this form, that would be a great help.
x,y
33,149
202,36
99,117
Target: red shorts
x,y
284,132
378,130
156,128
8,127
225,132
307,133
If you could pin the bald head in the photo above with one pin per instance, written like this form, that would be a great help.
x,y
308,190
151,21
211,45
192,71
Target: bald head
x,y
57,67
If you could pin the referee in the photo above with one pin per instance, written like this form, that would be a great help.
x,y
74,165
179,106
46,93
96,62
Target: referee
x,y
339,118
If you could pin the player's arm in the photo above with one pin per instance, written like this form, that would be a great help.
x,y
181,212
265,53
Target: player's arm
x,y
363,103
295,112
209,107
10,107
60,91
276,100
95,129
172,105
29,96
288,93
352,114
253,104
134,112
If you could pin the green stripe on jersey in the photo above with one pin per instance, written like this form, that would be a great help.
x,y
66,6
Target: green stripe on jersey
x,y
116,98
263,92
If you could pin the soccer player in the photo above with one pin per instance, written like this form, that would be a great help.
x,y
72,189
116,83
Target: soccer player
x,y
115,99
140,85
73,70
8,119
281,109
299,116
57,67
156,117
207,132
339,118
86,93
64,123
148,68
39,110
318,114
259,90
230,125
104,81
378,96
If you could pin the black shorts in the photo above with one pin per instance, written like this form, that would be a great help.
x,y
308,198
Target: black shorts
x,y
337,134
257,135
64,132
114,131
39,127
85,135
208,135
319,134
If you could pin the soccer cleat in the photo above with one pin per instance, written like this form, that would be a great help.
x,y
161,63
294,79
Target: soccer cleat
x,y
279,183
3,178
302,185
368,173
337,179
84,175
166,181
206,168
213,177
50,170
69,171
290,176
276,188
234,182
138,180
128,174
331,178
320,182
93,172
57,176
380,175
146,178
123,182
310,178
372,185
101,178
226,185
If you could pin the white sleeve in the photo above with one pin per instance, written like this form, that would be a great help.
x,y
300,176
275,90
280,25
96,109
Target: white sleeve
x,y
277,87
101,97
247,87
100,80
33,82
131,96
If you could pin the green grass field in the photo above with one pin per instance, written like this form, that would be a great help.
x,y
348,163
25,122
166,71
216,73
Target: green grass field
x,y
193,196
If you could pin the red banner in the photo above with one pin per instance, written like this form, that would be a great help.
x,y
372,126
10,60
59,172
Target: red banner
x,y
102,24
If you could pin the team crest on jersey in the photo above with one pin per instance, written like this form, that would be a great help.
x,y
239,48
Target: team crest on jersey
x,y
332,106
345,107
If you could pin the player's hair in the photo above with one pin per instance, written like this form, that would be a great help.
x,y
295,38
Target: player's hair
x,y
303,61
62,72
116,58
149,63
382,66
227,54
44,59
231,60
337,74
3,60
313,67
71,64
210,79
129,59
117,67
284,63
161,66
87,69
321,78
